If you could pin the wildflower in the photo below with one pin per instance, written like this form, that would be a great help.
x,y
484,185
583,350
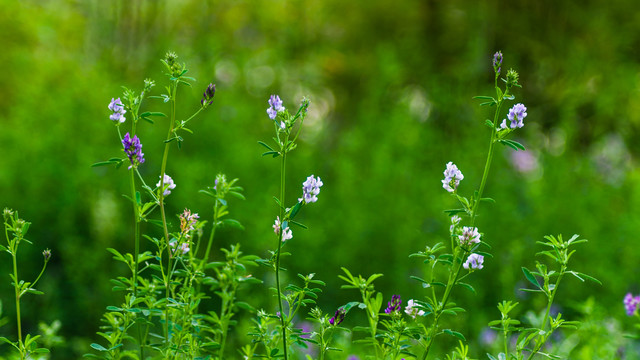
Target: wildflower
x,y
338,317
452,177
394,305
133,149
455,221
207,96
47,255
118,110
474,261
275,106
168,184
276,226
412,310
287,234
516,114
631,303
470,235
497,61
184,247
188,222
311,189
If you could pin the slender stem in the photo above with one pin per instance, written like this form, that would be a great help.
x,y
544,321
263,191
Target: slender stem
x,y
282,188
136,231
163,168
213,231
16,286
474,213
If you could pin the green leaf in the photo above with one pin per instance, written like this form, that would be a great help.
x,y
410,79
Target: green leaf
x,y
98,347
272,153
532,279
455,333
489,123
294,210
468,287
265,145
233,223
152,113
482,97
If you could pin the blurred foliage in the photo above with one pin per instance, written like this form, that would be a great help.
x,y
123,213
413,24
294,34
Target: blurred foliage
x,y
390,87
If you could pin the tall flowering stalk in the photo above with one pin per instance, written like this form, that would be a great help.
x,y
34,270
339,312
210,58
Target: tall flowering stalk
x,y
286,138
15,230
134,157
465,240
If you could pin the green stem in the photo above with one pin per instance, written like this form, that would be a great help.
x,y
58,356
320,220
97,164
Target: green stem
x,y
15,283
474,213
213,231
545,319
163,168
277,269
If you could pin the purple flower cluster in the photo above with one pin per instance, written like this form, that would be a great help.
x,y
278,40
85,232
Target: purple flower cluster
x,y
497,61
338,317
394,305
118,110
168,184
631,303
275,106
474,261
516,115
452,177
470,235
310,189
133,149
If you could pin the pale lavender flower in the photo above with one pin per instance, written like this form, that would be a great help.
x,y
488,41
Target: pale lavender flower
x,y
631,303
275,106
118,110
168,184
470,235
452,177
474,261
287,234
276,226
394,305
133,149
188,222
516,115
183,248
412,310
310,189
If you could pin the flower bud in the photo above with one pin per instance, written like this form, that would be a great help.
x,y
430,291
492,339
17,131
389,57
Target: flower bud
x,y
512,78
47,255
207,96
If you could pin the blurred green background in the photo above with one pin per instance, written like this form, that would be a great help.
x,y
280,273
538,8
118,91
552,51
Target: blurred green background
x,y
391,86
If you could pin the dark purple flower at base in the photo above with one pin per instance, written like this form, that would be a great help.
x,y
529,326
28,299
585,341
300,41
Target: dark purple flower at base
x,y
338,317
133,149
207,96
394,305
